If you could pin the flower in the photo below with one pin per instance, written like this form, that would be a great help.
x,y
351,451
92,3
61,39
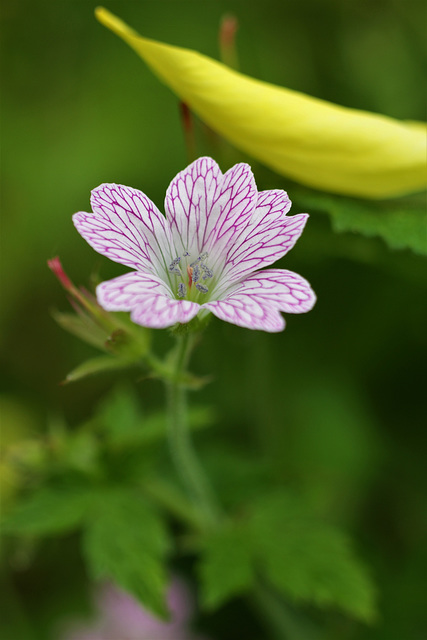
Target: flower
x,y
315,142
203,256
121,617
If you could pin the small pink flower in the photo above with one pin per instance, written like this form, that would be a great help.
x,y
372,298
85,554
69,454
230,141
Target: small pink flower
x,y
121,617
204,255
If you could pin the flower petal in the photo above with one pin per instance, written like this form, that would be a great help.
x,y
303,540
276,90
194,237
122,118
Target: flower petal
x,y
285,290
247,311
158,312
268,237
148,299
205,208
126,227
256,302
318,143
126,292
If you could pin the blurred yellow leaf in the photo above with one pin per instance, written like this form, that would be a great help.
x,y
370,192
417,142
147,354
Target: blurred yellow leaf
x,y
315,142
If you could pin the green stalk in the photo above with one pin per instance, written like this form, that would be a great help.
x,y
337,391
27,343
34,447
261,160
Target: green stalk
x,y
207,514
181,447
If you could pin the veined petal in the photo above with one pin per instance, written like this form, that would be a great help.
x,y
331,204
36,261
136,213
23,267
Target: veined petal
x,y
126,227
126,292
268,237
317,143
159,311
204,207
285,290
247,311
148,299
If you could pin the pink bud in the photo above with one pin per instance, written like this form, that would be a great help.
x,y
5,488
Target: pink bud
x,y
56,267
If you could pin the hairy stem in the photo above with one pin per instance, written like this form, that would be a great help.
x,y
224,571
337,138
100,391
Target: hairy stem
x,y
181,447
199,491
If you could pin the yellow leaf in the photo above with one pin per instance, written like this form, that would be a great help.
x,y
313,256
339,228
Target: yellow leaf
x,y
315,142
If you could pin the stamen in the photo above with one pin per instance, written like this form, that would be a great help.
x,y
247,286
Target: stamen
x,y
203,256
207,273
182,290
196,273
173,268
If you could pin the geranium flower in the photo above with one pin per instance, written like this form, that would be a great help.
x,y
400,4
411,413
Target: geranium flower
x,y
204,255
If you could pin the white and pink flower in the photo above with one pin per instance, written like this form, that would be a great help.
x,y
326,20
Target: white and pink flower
x,y
205,255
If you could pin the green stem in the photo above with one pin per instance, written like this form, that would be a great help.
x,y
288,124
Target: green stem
x,y
182,451
206,515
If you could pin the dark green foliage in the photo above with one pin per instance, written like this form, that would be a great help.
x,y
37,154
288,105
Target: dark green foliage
x,y
334,405
309,560
126,541
226,569
400,222
304,558
49,511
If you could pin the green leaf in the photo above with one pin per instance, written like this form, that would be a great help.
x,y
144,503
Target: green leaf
x,y
309,560
401,222
126,541
49,511
284,542
120,414
226,566
101,364
81,452
82,326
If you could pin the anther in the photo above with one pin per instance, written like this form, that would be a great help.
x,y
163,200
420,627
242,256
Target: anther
x,y
182,290
196,273
202,288
207,273
173,268
200,259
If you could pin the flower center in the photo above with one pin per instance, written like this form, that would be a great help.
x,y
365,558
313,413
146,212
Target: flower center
x,y
191,277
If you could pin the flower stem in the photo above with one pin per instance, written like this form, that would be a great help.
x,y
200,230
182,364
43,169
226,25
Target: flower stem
x,y
181,447
206,513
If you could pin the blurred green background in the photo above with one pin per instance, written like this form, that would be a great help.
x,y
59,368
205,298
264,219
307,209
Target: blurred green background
x,y
335,403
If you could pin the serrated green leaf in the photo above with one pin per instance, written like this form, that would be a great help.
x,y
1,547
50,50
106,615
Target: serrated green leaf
x,y
401,222
101,364
81,452
120,414
309,560
126,541
226,567
49,511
